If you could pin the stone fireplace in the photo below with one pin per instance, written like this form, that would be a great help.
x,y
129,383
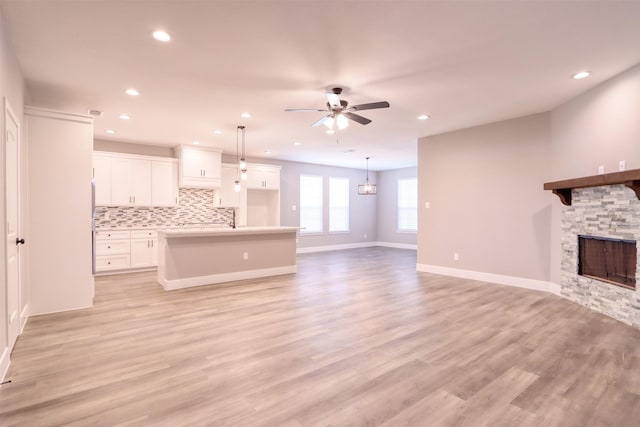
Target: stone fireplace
x,y
609,212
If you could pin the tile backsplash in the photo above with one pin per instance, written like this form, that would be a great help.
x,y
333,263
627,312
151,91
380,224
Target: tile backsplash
x,y
195,206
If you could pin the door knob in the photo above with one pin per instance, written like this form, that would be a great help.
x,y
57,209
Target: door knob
x,y
19,241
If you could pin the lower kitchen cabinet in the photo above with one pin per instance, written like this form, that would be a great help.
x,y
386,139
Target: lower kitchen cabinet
x,y
144,249
124,250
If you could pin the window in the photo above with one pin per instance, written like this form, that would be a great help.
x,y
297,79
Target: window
x,y
338,204
310,204
408,204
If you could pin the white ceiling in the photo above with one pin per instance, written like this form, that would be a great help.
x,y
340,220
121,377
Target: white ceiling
x,y
463,63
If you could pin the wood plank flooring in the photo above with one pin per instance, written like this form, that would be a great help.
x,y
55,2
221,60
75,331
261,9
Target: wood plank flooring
x,y
356,338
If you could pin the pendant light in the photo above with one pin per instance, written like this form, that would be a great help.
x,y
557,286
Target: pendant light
x,y
367,189
243,161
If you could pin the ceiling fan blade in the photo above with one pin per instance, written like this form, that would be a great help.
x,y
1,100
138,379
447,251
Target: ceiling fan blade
x,y
321,121
304,110
357,118
370,106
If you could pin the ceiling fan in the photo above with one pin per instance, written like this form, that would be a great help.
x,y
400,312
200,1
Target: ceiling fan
x,y
339,111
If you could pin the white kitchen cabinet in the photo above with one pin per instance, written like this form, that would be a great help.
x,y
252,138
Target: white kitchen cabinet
x,y
226,196
200,167
263,177
133,180
112,250
124,249
102,178
164,183
130,182
144,248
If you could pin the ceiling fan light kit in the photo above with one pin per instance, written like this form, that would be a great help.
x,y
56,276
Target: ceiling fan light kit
x,y
339,111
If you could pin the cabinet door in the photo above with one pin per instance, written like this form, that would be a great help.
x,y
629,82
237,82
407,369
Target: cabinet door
x,y
140,182
211,164
164,183
192,163
141,253
228,196
272,179
255,178
154,252
102,179
121,182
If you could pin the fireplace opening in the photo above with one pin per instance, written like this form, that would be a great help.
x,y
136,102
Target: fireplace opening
x,y
609,260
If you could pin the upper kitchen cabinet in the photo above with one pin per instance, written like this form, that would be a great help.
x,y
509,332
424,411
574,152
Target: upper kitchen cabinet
x,y
132,180
164,182
102,178
200,167
227,196
263,177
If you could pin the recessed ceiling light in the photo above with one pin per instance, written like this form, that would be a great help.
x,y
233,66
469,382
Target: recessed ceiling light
x,y
267,152
161,36
331,131
297,143
110,131
423,117
124,117
245,115
196,142
217,132
132,92
581,75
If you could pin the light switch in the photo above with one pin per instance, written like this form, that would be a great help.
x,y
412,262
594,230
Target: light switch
x,y
293,207
427,205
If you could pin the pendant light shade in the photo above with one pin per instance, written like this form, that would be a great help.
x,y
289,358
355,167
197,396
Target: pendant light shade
x,y
367,188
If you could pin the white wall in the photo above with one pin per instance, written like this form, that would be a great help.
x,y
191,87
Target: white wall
x,y
484,186
599,127
11,87
387,207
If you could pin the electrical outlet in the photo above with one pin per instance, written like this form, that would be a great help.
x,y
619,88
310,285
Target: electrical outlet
x,y
293,207
456,257
427,205
600,170
622,165
148,216
107,215
245,256
365,235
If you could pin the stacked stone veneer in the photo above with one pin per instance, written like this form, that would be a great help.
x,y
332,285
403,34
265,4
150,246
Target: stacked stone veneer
x,y
611,211
195,206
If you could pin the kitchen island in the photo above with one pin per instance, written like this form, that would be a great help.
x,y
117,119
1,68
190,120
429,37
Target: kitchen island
x,y
203,256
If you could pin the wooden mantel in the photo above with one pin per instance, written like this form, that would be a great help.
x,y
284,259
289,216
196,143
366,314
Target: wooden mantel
x,y
562,189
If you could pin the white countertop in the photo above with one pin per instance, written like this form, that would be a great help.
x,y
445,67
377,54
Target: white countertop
x,y
222,231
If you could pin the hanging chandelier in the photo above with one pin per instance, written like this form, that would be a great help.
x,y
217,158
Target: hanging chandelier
x,y
243,161
367,189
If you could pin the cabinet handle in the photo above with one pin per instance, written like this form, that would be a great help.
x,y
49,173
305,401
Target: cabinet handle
x,y
93,172
134,199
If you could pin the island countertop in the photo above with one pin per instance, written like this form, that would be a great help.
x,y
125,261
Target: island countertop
x,y
222,231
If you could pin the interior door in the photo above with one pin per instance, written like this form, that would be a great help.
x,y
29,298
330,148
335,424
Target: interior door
x,y
13,240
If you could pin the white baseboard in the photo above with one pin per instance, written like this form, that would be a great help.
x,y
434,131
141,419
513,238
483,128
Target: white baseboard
x,y
24,316
397,245
335,247
519,282
4,363
170,285
62,311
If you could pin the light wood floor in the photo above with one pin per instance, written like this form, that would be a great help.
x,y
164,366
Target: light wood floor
x,y
356,338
